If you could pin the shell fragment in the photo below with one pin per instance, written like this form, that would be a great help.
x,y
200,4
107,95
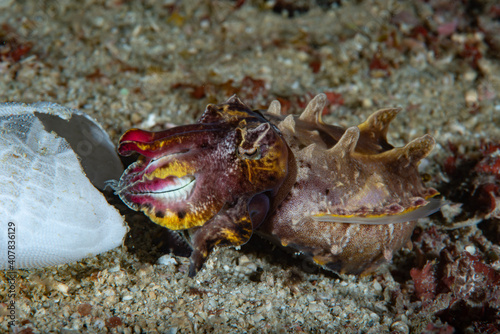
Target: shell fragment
x,y
50,213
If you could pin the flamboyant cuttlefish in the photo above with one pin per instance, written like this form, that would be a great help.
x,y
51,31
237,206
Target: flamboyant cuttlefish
x,y
346,198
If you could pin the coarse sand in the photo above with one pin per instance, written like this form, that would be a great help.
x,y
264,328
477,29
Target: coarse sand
x,y
150,63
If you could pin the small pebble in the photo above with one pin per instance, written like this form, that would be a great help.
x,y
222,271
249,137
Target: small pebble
x,y
470,249
399,327
167,260
136,118
367,103
471,97
376,286
5,3
61,287
470,75
113,322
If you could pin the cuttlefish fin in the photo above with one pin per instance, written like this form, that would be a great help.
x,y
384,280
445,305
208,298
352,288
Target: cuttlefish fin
x,y
411,214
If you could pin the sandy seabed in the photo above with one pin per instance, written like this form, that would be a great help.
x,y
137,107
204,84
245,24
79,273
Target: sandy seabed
x,y
150,63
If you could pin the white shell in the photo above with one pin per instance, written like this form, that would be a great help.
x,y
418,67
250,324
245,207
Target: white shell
x,y
48,206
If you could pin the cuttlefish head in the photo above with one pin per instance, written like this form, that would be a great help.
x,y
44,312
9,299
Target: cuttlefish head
x,y
187,175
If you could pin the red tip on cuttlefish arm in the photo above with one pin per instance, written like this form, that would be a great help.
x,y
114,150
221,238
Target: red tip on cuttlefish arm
x,y
412,214
153,144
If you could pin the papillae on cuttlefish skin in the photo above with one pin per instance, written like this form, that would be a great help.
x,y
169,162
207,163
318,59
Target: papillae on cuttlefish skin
x,y
346,198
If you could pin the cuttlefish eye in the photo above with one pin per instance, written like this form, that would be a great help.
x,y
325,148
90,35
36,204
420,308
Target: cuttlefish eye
x,y
252,153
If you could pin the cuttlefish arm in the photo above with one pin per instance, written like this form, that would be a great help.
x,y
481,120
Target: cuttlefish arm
x,y
233,226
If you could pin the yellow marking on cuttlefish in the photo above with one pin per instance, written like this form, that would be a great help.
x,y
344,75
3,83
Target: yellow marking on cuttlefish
x,y
231,236
157,144
175,168
254,168
233,112
318,261
374,216
172,221
267,164
380,216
